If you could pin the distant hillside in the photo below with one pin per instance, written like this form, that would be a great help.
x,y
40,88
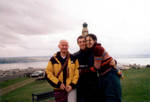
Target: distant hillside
x,y
5,60
134,56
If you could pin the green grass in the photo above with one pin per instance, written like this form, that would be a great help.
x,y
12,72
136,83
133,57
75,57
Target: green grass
x,y
136,85
24,94
135,88
10,82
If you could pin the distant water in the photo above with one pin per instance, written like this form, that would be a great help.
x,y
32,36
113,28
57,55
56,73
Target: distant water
x,y
141,61
41,62
23,62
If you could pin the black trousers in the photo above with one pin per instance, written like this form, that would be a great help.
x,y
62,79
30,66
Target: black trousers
x,y
87,87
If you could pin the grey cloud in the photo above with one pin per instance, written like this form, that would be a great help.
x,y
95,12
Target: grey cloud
x,y
32,17
7,37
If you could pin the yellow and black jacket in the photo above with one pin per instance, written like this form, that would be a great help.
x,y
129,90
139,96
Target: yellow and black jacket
x,y
54,66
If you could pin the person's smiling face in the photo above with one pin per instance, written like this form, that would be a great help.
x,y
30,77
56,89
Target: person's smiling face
x,y
81,43
89,42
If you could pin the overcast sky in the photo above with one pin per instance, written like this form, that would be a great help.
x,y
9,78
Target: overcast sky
x,y
34,27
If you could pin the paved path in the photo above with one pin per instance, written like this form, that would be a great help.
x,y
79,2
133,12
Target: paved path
x,y
15,86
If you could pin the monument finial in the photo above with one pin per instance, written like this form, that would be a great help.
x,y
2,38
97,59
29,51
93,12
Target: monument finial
x,y
85,24
85,29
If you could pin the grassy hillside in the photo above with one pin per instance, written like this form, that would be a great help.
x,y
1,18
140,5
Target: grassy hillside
x,y
136,85
10,82
135,88
24,94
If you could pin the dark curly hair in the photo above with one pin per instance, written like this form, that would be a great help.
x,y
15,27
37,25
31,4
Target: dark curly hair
x,y
93,36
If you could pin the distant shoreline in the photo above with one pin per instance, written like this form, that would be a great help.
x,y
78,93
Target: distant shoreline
x,y
21,63
18,72
42,61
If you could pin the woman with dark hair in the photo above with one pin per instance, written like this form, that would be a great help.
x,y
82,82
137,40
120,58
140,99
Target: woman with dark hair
x,y
109,87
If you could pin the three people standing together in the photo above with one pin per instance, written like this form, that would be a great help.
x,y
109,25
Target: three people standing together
x,y
90,70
